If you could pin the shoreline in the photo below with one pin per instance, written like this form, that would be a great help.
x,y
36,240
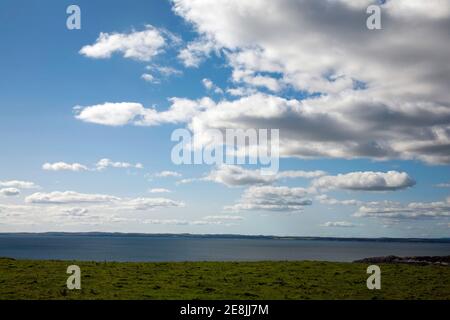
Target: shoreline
x,y
221,236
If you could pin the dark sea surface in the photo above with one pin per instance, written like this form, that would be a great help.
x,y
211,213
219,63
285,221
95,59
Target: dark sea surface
x,y
179,248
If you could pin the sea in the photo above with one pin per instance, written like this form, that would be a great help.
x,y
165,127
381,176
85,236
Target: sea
x,y
169,248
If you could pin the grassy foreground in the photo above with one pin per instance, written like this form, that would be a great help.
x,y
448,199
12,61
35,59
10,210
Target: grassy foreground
x,y
25,279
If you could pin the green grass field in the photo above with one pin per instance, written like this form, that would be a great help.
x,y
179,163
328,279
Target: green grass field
x,y
26,279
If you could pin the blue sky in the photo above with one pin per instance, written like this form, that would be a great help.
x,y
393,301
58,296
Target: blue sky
x,y
45,75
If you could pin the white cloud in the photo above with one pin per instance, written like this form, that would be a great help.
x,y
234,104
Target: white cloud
x,y
101,165
366,181
9,192
98,202
334,39
208,222
224,218
165,174
68,197
209,85
180,222
105,163
398,211
164,70
241,91
144,204
186,181
63,166
339,224
324,199
434,9
167,222
159,190
349,127
139,45
268,198
195,52
390,108
442,185
110,114
149,78
232,175
78,212
300,174
352,125
122,113
159,73
250,78
18,184
55,216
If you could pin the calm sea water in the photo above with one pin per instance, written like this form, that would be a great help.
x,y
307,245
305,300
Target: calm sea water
x,y
126,248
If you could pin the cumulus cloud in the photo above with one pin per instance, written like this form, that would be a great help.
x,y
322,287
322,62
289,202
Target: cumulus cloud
x,y
164,70
138,45
269,198
232,175
324,199
105,163
110,114
60,209
195,52
167,173
101,165
55,216
224,217
76,212
144,204
398,211
300,174
68,197
360,106
108,202
18,184
9,192
241,91
149,78
353,105
366,181
158,73
122,113
254,80
63,166
167,222
209,85
334,39
159,190
338,224
351,126
180,222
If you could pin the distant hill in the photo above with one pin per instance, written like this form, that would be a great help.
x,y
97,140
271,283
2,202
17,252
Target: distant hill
x,y
225,236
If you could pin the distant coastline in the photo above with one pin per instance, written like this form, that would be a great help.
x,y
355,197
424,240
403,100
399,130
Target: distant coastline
x,y
223,236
